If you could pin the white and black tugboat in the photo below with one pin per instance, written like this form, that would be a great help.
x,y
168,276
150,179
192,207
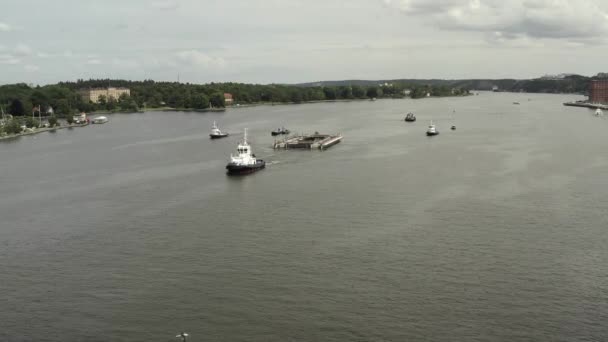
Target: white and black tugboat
x,y
216,133
432,130
410,117
244,161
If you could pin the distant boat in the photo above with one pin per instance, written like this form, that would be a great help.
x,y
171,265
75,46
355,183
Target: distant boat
x,y
432,130
100,120
453,125
598,112
515,103
279,131
410,117
216,133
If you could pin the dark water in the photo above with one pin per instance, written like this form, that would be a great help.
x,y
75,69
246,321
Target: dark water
x,y
131,231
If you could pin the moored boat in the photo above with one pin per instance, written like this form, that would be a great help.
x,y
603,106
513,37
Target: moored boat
x,y
244,161
100,120
432,130
279,131
216,133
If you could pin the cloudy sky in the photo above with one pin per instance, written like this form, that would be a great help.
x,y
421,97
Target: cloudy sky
x,y
265,41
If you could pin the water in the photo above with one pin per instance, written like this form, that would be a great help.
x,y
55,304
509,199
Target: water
x,y
131,231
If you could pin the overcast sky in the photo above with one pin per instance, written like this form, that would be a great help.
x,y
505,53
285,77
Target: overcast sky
x,y
289,41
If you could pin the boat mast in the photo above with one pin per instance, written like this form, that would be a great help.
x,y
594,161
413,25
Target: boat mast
x,y
245,137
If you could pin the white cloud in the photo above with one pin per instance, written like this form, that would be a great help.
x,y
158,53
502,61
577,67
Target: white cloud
x,y
166,5
94,62
559,19
9,59
199,59
4,27
23,50
31,68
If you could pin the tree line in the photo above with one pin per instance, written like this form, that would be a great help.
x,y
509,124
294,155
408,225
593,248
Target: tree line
x,y
64,99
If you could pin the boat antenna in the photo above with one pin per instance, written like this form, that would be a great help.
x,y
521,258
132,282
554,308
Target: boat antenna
x,y
245,136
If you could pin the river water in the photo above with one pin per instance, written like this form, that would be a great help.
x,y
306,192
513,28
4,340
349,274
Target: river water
x,y
131,231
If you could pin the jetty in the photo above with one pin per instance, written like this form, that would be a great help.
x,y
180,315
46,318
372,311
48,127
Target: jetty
x,y
308,141
587,105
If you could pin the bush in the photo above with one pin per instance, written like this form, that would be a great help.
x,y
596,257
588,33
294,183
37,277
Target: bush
x,y
52,121
31,122
69,119
13,127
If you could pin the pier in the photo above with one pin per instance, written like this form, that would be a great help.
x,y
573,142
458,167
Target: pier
x,y
587,105
310,141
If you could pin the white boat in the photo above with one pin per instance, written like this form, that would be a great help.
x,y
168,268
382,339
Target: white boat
x,y
598,112
216,133
244,161
100,120
80,119
432,130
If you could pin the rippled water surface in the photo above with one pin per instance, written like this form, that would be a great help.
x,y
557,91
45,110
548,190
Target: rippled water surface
x,y
131,231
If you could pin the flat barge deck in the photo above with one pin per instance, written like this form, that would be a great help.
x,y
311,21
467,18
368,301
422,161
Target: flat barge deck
x,y
309,141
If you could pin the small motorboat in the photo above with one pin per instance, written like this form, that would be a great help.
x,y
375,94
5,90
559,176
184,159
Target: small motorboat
x,y
100,120
453,127
280,131
216,133
410,117
598,112
432,130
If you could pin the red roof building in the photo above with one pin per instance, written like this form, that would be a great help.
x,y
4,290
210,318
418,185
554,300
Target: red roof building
x,y
228,100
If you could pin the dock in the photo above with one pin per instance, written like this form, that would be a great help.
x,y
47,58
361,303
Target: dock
x,y
586,105
308,141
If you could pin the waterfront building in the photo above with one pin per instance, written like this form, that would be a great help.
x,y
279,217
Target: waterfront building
x,y
92,94
228,100
598,91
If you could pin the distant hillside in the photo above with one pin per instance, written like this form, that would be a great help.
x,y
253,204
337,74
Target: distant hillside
x,y
565,84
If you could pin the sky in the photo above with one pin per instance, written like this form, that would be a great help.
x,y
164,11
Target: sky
x,y
292,41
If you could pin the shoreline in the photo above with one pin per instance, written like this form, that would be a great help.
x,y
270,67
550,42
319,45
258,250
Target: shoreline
x,y
39,130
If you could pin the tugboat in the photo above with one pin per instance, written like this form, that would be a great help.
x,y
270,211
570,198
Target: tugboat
x,y
216,133
410,117
432,130
245,161
281,130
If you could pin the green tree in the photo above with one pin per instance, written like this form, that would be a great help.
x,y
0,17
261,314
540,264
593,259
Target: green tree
x,y
53,121
358,92
329,92
217,100
200,101
63,107
69,119
102,100
372,92
111,104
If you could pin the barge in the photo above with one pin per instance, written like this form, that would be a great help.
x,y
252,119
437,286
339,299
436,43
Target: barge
x,y
308,141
